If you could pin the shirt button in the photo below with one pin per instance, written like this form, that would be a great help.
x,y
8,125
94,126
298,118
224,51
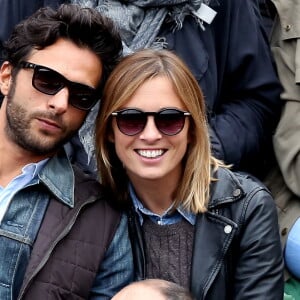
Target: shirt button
x,y
227,229
288,27
284,231
236,192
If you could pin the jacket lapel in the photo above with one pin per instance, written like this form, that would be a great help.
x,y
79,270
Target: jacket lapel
x,y
213,236
214,232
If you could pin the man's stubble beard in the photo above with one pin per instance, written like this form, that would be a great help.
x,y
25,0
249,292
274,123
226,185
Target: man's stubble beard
x,y
19,131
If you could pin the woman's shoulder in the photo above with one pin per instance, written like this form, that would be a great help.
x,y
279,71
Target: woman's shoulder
x,y
231,186
230,179
243,199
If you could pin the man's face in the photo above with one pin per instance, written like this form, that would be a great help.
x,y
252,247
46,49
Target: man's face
x,y
41,123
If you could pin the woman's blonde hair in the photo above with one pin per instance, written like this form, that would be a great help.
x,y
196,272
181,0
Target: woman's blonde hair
x,y
133,70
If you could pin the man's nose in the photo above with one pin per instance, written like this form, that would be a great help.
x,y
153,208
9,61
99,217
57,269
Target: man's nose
x,y
60,101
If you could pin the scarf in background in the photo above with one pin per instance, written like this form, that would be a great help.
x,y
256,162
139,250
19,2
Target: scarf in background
x,y
139,21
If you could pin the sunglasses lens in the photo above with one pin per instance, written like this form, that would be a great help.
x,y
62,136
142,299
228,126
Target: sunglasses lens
x,y
170,121
82,97
131,121
51,82
47,81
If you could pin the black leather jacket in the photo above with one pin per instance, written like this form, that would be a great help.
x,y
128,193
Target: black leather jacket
x,y
237,252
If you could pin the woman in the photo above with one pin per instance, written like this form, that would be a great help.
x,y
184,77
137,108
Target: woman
x,y
192,220
236,74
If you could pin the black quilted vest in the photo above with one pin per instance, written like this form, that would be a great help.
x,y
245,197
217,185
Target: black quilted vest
x,y
70,245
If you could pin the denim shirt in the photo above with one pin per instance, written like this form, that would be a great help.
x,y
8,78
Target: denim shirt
x,y
166,218
29,173
22,216
21,224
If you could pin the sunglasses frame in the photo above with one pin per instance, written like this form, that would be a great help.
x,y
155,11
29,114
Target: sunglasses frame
x,y
93,97
155,114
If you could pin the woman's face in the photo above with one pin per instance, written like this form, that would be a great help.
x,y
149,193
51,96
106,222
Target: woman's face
x,y
150,154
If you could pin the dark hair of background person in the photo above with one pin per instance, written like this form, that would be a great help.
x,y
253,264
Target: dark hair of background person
x,y
166,289
67,23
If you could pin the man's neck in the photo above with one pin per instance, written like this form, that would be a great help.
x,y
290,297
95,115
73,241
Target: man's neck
x,y
13,159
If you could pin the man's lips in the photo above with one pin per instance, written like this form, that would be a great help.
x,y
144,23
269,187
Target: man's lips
x,y
49,123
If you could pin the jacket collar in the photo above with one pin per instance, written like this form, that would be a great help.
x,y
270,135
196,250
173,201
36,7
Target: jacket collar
x,y
58,176
225,189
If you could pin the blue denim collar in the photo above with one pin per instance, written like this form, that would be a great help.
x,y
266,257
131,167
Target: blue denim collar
x,y
142,210
58,176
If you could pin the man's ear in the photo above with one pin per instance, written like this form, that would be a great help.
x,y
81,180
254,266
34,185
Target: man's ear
x,y
5,77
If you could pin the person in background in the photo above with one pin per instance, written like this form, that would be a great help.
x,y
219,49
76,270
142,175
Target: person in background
x,y
268,13
224,45
13,12
59,237
284,180
192,221
150,289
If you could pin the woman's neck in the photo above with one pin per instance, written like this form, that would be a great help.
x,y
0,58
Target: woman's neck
x,y
155,195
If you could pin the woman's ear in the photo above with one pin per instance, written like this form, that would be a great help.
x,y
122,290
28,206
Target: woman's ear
x,y
190,136
111,136
5,77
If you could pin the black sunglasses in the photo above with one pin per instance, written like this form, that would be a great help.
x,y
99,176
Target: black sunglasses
x,y
51,82
169,121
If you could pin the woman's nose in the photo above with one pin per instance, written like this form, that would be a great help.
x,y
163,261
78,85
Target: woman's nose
x,y
150,132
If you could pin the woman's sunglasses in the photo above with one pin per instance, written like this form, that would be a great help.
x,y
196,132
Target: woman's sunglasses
x,y
50,82
169,121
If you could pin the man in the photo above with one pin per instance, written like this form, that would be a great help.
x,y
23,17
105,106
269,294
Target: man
x,y
59,238
150,289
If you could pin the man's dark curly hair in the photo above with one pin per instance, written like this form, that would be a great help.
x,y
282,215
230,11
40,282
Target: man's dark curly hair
x,y
85,27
